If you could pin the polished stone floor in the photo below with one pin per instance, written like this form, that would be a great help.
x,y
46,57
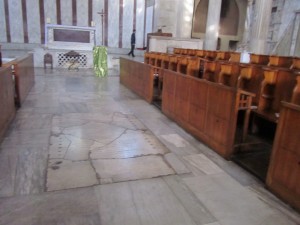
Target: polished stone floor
x,y
85,150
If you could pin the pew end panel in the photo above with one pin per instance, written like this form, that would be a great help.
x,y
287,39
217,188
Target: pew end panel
x,y
205,109
283,176
7,102
250,79
138,77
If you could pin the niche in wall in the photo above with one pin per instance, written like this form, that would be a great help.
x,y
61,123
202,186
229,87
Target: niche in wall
x,y
229,17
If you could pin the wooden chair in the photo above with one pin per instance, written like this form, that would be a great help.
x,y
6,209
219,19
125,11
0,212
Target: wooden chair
x,y
200,53
223,55
48,59
193,67
173,61
250,79
259,59
209,72
229,73
296,63
211,55
235,57
280,61
277,86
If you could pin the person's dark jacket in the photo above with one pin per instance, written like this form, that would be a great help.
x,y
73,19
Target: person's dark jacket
x,y
133,38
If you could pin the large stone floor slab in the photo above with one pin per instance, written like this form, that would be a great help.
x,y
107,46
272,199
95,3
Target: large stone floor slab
x,y
130,144
64,174
116,170
233,204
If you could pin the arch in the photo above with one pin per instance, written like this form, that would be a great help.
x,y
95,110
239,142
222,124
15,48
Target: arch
x,y
200,17
229,18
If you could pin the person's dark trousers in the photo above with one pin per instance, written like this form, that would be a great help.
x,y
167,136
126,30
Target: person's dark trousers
x,y
132,51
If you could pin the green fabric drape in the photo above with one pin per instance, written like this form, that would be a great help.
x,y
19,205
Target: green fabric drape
x,y
100,61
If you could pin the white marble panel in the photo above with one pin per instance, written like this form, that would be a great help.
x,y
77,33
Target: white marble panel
x,y
16,21
82,13
65,174
127,23
176,140
66,12
98,5
140,18
113,23
184,23
204,164
2,23
33,21
50,11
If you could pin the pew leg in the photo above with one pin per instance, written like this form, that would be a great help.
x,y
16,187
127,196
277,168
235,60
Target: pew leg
x,y
246,124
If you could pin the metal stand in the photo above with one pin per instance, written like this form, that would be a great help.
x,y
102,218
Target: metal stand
x,y
102,14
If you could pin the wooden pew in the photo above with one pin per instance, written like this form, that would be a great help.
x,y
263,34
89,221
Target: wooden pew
x,y
210,55
235,57
0,57
138,77
223,56
296,64
283,176
250,79
277,86
280,61
229,73
173,61
210,71
200,53
7,102
205,109
23,70
259,59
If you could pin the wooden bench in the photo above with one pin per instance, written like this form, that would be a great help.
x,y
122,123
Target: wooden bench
x,y
250,79
280,61
235,57
284,174
259,59
7,102
296,64
23,70
277,86
229,73
224,56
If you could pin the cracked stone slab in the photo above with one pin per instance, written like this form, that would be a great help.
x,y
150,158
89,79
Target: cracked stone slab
x,y
65,174
132,169
176,163
69,147
94,131
130,144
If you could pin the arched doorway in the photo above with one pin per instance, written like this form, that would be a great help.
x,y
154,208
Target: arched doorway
x,y
232,18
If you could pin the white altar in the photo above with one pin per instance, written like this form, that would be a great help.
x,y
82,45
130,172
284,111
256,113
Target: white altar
x,y
162,44
61,39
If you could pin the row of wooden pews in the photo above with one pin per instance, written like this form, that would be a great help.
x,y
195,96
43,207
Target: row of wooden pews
x,y
206,92
16,80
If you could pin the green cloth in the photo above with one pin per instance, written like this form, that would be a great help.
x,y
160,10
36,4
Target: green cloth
x,y
100,61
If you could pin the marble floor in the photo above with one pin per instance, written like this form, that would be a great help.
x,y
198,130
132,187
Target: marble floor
x,y
84,150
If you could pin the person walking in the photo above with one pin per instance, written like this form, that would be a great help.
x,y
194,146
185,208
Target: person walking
x,y
132,43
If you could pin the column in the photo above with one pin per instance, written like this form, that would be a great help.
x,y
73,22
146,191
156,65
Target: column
x,y
246,34
260,27
295,33
212,25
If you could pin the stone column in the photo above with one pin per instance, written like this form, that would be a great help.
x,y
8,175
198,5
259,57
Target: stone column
x,y
295,34
259,32
246,35
212,25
